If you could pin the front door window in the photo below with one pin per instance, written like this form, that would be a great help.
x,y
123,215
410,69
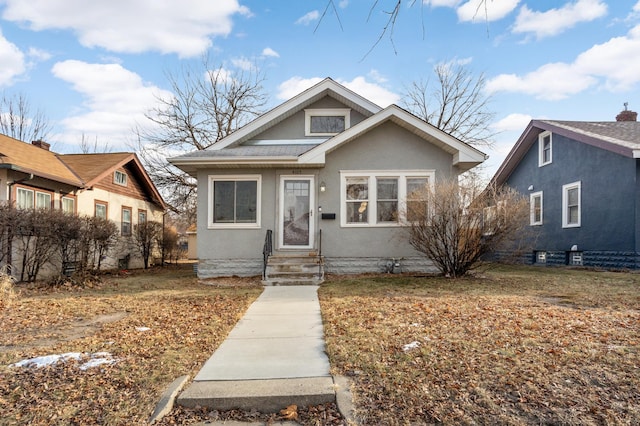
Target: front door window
x,y
296,212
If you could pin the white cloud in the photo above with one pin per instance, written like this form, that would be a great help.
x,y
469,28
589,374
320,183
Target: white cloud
x,y
243,63
314,15
267,51
486,10
12,60
295,85
555,21
115,100
614,63
512,122
371,91
549,82
38,55
183,27
636,7
442,3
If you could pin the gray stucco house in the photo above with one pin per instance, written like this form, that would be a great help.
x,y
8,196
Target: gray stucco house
x,y
324,175
583,182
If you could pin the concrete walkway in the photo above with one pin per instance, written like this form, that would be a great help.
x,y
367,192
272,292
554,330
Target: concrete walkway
x,y
274,357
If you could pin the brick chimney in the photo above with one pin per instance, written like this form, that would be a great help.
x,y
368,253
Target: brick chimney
x,y
41,144
626,114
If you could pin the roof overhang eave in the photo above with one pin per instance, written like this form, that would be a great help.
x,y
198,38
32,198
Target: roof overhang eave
x,y
39,174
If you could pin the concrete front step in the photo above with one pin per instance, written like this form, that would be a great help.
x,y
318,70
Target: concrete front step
x,y
294,269
267,396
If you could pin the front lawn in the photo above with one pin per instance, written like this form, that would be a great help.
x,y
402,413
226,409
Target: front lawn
x,y
157,325
516,345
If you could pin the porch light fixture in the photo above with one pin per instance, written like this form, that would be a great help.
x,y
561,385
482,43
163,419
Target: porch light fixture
x,y
323,186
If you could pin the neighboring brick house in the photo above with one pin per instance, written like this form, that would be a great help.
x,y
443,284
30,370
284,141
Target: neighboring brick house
x,y
583,182
112,185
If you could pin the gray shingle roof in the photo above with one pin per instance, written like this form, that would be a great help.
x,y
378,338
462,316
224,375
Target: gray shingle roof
x,y
623,133
253,151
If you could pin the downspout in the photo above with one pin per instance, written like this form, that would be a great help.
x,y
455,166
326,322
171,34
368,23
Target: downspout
x,y
10,231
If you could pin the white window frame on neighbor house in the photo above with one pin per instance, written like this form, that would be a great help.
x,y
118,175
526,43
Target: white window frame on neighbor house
x,y
533,220
28,196
120,178
43,200
97,206
66,202
233,178
328,112
565,204
541,148
369,203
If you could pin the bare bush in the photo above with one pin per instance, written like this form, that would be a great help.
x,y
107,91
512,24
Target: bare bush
x,y
7,292
145,237
98,237
457,225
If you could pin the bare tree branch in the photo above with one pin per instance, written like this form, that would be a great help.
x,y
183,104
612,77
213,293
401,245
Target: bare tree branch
x,y
20,122
457,103
208,104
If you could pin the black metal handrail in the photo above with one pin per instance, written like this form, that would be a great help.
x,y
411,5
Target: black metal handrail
x,y
320,253
267,250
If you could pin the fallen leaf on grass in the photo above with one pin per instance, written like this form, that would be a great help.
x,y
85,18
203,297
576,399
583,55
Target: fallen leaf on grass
x,y
290,413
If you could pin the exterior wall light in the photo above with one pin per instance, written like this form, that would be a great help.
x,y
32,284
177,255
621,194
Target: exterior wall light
x,y
323,186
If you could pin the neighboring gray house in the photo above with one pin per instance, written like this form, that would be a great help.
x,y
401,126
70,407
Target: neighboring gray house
x,y
583,182
328,172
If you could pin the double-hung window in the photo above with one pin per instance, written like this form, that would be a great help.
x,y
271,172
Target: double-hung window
x,y
43,200
234,201
24,198
535,208
383,198
126,221
544,149
101,208
571,205
68,205
120,178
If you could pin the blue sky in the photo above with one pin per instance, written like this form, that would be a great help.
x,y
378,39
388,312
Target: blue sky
x,y
94,68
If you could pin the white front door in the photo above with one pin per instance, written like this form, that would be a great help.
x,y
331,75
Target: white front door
x,y
296,212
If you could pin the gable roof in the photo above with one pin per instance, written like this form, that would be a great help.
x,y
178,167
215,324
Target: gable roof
x,y
327,87
92,168
79,170
30,159
620,137
311,153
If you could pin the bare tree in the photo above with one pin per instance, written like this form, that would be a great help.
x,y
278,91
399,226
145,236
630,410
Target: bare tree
x,y
461,224
145,237
455,103
89,147
208,104
20,122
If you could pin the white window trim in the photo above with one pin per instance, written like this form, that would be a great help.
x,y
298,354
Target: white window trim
x,y
532,213
565,200
62,200
115,180
33,196
211,224
308,113
541,137
371,175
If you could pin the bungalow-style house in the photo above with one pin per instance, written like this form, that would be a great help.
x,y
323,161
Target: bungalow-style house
x,y
324,175
583,182
114,186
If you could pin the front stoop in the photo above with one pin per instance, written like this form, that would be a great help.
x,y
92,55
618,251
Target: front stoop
x,y
266,396
294,269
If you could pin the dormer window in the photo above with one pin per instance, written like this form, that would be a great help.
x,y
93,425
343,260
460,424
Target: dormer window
x,y
326,122
120,178
544,149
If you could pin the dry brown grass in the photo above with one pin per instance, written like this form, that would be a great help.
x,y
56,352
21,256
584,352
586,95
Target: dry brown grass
x,y
187,321
514,346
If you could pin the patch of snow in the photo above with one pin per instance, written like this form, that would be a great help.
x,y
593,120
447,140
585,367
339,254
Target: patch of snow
x,y
97,359
43,361
409,346
142,329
